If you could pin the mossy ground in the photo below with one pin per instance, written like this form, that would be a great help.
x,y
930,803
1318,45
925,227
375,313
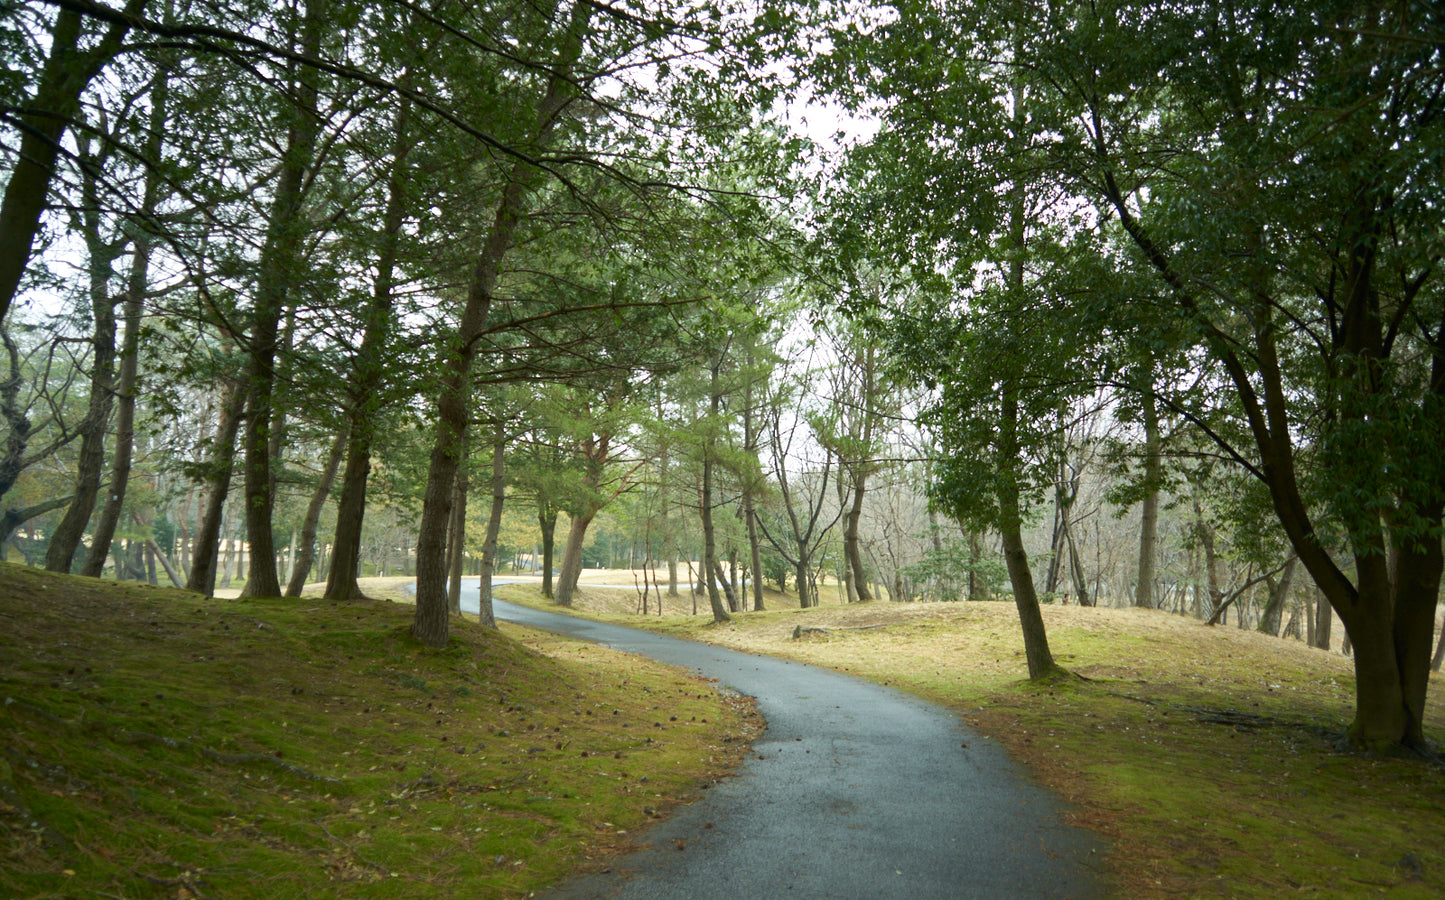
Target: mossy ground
x,y
156,744
1208,756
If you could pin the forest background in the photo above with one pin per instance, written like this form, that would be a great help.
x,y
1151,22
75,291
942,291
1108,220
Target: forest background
x,y
1128,304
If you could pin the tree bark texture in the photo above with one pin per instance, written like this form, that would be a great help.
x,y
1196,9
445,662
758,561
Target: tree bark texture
x,y
127,384
368,375
128,379
571,568
712,569
547,523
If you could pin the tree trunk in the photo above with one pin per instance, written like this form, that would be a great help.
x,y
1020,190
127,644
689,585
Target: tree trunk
x,y
494,526
457,539
126,388
1036,643
1076,568
806,598
56,104
279,265
66,537
756,552
430,626
729,593
165,564
301,565
750,513
845,575
1439,653
547,522
368,374
227,558
977,588
19,426
1149,508
572,555
202,578
1205,533
710,565
1269,620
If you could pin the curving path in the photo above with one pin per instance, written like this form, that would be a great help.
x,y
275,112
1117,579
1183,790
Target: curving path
x,y
854,791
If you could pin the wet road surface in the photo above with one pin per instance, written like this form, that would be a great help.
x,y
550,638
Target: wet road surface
x,y
854,791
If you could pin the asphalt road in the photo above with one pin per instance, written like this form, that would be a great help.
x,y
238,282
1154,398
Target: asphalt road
x,y
854,791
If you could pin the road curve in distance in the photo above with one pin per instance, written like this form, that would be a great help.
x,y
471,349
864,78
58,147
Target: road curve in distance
x,y
855,790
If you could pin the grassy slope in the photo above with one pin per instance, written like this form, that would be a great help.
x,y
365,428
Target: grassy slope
x,y
154,744
1207,755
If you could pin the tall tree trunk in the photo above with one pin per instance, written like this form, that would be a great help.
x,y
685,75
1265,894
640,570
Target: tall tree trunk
x,y
227,558
669,535
18,425
56,104
128,380
1205,533
368,374
279,269
710,565
572,555
431,623
90,464
494,526
1149,507
1036,644
202,578
1269,619
1076,568
547,523
306,557
750,512
457,539
859,470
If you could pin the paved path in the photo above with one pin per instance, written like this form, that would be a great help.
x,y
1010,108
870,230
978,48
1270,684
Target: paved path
x,y
854,791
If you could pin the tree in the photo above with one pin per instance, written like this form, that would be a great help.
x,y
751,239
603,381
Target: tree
x,y
863,400
43,119
557,93
277,271
801,479
711,569
137,284
1270,176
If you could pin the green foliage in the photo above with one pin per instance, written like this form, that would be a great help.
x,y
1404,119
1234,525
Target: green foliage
x,y
944,572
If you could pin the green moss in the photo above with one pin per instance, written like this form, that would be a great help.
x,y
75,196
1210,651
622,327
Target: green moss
x,y
158,744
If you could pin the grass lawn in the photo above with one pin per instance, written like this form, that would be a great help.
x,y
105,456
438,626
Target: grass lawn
x,y
157,744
